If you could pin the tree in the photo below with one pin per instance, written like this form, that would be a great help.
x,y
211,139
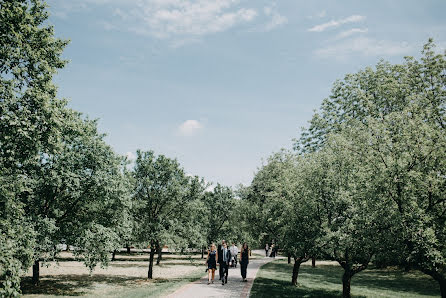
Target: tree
x,y
303,227
269,197
160,193
394,116
80,195
30,120
219,204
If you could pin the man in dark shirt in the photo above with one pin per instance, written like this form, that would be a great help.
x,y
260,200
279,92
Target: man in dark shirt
x,y
224,265
220,259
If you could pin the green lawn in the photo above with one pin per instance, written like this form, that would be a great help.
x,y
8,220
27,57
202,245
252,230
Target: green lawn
x,y
274,280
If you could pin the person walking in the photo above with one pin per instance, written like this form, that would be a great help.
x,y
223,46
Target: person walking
x,y
211,262
266,250
220,259
244,260
234,253
226,258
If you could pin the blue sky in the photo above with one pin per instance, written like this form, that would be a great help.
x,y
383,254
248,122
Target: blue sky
x,y
221,84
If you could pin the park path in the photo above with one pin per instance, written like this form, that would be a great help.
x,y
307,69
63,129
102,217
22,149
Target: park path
x,y
234,288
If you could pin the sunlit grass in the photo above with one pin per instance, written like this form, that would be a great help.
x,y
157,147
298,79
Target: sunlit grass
x,y
274,280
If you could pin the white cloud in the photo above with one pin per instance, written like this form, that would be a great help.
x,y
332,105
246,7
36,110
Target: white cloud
x,y
337,23
350,32
366,47
130,156
189,127
166,18
276,19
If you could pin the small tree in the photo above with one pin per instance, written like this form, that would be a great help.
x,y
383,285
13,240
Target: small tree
x,y
160,193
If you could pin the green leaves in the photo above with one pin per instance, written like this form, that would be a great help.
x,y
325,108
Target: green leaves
x,y
379,141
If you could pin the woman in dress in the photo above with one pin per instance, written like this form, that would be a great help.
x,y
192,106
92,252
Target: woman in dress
x,y
244,260
211,261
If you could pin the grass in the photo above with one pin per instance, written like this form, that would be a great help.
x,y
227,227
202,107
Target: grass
x,y
274,280
124,278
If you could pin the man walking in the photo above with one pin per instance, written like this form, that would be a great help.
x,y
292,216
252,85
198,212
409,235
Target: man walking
x,y
226,258
220,259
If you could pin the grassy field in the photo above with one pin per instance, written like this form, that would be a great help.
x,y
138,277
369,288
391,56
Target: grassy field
x,y
274,280
125,277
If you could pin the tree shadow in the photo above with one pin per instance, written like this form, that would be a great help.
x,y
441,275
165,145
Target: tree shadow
x,y
397,280
74,285
266,287
313,280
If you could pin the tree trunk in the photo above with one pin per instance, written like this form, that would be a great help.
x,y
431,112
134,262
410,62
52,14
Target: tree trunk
x,y
295,272
346,280
36,273
289,258
159,251
128,248
313,262
114,255
152,255
443,288
202,252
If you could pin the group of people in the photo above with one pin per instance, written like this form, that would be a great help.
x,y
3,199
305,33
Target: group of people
x,y
223,256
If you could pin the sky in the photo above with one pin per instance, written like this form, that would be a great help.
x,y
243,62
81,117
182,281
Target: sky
x,y
222,84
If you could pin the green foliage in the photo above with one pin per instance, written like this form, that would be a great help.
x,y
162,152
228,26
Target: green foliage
x,y
379,140
95,245
219,205
17,238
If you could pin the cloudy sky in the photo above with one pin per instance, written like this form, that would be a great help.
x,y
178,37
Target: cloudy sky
x,y
221,84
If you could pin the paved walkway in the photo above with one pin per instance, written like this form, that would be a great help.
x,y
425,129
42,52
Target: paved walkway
x,y
234,288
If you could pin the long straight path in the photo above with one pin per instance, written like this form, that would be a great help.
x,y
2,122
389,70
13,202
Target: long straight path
x,y
234,288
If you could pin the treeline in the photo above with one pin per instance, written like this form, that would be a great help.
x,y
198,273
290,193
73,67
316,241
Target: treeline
x,y
366,181
60,182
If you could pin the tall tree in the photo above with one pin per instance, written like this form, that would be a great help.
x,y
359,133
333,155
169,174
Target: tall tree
x,y
394,115
30,114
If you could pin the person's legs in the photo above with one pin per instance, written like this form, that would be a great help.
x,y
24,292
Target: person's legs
x,y
220,271
226,273
209,275
213,274
244,267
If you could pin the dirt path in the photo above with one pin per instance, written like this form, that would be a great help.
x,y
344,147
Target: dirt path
x,y
234,288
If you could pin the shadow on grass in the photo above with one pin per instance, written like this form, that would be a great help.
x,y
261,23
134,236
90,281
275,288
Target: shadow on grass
x,y
274,279
266,287
78,285
72,284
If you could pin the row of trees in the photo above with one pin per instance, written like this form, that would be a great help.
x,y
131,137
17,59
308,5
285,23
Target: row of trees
x,y
367,180
61,183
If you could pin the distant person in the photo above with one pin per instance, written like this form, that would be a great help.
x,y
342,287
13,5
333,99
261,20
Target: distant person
x,y
234,253
211,261
220,258
226,258
266,250
273,247
244,260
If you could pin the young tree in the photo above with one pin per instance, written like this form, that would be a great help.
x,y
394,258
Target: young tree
x,y
160,193
219,204
303,227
